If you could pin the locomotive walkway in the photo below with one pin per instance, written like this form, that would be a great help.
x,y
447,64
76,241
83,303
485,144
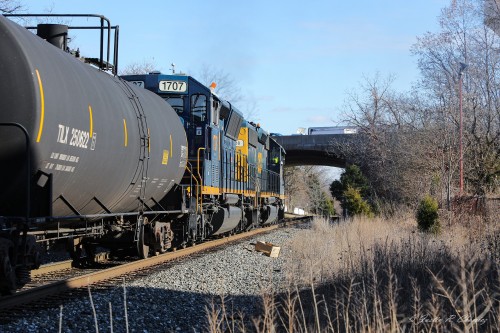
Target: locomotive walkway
x,y
314,149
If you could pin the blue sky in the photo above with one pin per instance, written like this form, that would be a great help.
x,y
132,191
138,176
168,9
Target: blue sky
x,y
294,60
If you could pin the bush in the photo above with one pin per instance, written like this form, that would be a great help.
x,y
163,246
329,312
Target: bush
x,y
351,177
427,215
355,204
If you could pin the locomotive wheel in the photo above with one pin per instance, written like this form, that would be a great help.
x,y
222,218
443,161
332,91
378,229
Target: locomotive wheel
x,y
142,247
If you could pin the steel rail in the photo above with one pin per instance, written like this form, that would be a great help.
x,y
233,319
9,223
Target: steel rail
x,y
62,265
37,293
50,268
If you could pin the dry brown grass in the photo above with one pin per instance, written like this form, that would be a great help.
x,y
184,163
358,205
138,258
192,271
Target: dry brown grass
x,y
377,275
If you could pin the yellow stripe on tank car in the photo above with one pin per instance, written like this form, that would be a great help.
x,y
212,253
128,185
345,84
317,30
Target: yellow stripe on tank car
x,y
125,134
42,106
91,121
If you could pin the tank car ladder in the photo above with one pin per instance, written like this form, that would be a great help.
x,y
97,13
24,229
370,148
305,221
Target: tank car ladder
x,y
142,172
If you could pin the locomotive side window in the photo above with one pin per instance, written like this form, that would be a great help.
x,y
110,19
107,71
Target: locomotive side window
x,y
177,103
198,108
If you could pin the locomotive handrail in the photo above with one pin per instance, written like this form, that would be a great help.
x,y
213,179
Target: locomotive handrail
x,y
197,191
201,178
198,164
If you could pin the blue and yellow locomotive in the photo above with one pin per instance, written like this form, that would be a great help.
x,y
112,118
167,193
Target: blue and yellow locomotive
x,y
234,174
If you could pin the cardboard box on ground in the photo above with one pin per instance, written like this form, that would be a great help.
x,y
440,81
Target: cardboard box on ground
x,y
268,249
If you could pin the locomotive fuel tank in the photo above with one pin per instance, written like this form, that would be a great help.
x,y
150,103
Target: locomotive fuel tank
x,y
96,143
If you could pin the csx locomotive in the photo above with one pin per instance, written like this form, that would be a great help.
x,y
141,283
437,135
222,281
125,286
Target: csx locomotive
x,y
148,162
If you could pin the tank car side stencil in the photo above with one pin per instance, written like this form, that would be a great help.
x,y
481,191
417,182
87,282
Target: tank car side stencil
x,y
164,160
42,106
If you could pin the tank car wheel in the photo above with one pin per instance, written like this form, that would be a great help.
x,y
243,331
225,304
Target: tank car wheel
x,y
7,272
9,284
75,249
142,247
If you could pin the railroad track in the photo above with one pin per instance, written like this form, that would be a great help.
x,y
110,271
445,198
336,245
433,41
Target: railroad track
x,y
53,292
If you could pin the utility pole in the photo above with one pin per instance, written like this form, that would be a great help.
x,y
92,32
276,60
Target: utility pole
x,y
463,67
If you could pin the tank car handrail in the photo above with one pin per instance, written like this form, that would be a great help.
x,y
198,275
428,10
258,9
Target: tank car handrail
x,y
28,165
43,219
101,51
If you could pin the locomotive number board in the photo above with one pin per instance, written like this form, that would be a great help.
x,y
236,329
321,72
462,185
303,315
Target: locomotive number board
x,y
173,86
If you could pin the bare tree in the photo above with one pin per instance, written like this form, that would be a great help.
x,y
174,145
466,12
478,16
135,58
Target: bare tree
x,y
10,6
143,67
408,145
465,38
306,187
385,148
228,88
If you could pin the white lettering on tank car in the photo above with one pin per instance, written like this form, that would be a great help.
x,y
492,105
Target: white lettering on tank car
x,y
92,144
184,154
79,138
184,151
64,157
64,168
62,135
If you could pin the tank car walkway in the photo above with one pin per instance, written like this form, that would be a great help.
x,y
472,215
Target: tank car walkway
x,y
314,149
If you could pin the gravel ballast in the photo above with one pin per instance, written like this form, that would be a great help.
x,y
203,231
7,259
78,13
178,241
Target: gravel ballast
x,y
175,299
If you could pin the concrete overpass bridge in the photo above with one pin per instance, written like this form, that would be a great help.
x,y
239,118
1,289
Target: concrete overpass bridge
x,y
314,149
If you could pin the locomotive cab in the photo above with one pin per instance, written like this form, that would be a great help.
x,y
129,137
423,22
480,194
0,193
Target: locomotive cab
x,y
204,117
192,101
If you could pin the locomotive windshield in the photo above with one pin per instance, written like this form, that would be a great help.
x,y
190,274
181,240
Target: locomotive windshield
x,y
176,102
198,108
